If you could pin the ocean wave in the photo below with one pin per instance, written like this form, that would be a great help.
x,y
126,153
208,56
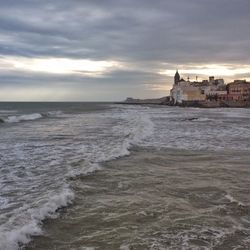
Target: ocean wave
x,y
3,202
85,169
233,200
28,117
204,119
14,238
133,130
53,113
133,126
6,111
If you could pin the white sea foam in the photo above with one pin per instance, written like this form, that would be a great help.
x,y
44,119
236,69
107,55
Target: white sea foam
x,y
204,119
27,117
85,141
84,157
84,169
31,117
6,111
3,201
233,200
13,236
136,127
125,247
184,238
130,131
198,129
54,113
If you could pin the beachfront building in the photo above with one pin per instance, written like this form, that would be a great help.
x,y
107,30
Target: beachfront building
x,y
212,90
239,90
210,93
186,91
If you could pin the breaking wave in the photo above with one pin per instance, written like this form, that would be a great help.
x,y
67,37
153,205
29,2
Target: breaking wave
x,y
6,111
21,235
104,141
137,127
131,130
233,200
28,117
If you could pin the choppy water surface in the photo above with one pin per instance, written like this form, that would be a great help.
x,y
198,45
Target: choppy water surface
x,y
181,180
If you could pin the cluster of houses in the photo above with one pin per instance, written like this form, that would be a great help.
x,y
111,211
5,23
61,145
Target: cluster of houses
x,y
210,93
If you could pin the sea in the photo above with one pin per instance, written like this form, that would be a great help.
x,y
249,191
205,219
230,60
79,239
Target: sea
x,y
103,176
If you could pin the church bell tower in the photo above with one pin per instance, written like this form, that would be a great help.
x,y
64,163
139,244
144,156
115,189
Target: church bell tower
x,y
176,78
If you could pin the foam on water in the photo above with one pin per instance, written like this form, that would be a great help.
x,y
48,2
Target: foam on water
x,y
54,113
3,201
233,200
6,111
39,160
213,129
7,118
131,129
84,169
41,154
11,239
28,117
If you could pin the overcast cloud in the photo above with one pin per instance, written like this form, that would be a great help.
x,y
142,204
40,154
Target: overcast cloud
x,y
139,39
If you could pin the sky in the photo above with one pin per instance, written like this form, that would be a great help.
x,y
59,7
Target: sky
x,y
107,50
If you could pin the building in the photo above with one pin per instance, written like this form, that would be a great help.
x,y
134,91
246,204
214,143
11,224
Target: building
x,y
186,91
239,90
212,90
211,79
210,93
183,91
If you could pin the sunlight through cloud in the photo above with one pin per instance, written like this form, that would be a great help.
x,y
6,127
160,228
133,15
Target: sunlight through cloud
x,y
211,70
60,65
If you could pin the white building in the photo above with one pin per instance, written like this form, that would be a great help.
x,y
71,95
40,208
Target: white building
x,y
186,93
196,91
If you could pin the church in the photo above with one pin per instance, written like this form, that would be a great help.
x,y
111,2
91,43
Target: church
x,y
185,91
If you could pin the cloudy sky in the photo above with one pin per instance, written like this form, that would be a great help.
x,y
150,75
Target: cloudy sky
x,y
101,50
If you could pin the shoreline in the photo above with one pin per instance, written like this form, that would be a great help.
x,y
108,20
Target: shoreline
x,y
188,105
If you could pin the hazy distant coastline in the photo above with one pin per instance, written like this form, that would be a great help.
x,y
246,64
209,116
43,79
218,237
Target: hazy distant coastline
x,y
158,101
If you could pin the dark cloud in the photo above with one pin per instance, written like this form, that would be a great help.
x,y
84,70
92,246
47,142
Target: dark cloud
x,y
143,34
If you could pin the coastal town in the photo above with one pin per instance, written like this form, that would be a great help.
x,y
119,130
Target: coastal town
x,y
210,93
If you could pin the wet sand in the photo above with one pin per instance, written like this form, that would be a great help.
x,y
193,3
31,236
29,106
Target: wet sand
x,y
157,199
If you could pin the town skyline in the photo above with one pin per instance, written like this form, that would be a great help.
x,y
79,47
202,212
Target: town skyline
x,y
105,51
210,93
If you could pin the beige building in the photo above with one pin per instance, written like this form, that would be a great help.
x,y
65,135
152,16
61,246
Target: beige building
x,y
196,91
184,91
